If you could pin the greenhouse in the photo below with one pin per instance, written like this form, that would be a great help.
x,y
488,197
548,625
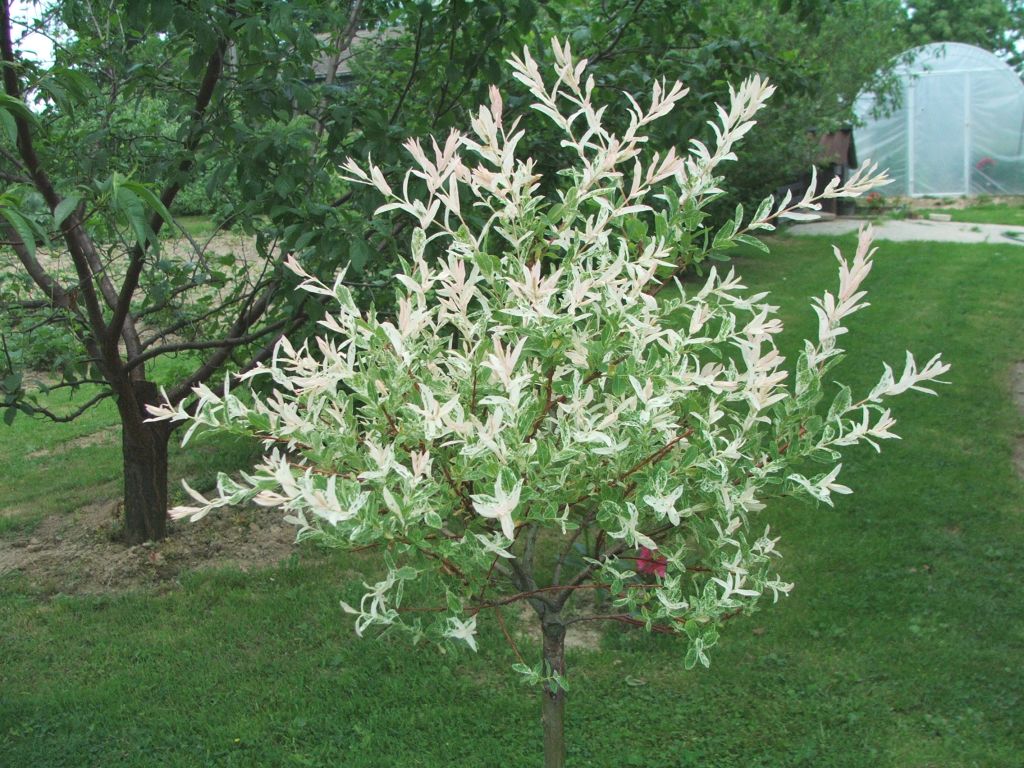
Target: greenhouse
x,y
957,127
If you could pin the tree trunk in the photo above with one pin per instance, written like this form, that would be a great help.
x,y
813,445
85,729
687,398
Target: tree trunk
x,y
144,447
553,696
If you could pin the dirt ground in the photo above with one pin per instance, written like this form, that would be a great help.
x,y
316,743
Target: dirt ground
x,y
78,553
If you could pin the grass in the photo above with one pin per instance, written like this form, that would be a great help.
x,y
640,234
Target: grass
x,y
990,213
43,473
57,468
196,225
899,648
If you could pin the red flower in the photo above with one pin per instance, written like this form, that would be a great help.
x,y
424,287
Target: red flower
x,y
648,563
984,163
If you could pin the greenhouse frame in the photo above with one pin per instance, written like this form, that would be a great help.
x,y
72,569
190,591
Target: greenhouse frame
x,y
956,128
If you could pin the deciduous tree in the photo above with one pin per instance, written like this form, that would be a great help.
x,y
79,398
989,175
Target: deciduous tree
x,y
147,99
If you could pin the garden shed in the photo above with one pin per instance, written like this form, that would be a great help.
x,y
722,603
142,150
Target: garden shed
x,y
957,127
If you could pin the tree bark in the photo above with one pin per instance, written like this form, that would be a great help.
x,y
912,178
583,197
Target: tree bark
x,y
553,696
144,448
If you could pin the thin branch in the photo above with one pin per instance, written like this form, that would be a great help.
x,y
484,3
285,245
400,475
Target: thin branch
x,y
508,637
201,374
658,455
57,295
520,596
79,244
214,69
564,554
246,319
609,49
626,618
230,341
551,402
38,410
412,71
340,44
545,409
470,71
174,327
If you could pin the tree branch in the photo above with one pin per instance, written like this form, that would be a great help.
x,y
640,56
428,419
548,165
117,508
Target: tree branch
x,y
214,69
78,243
184,346
246,319
609,50
412,71
38,410
341,43
57,295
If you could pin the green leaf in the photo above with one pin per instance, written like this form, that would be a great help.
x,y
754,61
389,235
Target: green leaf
x,y
559,681
804,374
636,229
12,382
724,236
20,225
406,572
418,243
764,208
753,242
128,203
304,239
454,604
488,263
359,253
64,208
691,658
150,199
16,108
841,404
10,128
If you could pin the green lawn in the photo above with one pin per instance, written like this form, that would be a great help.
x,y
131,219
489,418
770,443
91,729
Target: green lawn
x,y
986,214
901,646
57,468
51,467
196,226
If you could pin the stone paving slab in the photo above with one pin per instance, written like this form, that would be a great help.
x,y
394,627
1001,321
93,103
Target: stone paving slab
x,y
918,229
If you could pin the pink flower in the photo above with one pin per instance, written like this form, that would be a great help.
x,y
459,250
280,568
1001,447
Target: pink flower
x,y
648,563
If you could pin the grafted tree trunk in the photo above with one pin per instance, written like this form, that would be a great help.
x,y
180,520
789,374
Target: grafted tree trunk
x,y
145,467
553,696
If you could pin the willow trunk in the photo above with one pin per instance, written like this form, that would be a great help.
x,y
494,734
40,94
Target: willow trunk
x,y
553,695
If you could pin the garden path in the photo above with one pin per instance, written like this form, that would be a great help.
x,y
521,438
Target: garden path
x,y
918,229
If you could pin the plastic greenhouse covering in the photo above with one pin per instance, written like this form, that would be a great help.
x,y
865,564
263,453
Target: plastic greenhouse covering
x,y
958,128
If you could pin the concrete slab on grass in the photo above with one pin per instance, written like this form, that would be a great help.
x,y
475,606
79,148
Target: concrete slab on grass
x,y
918,229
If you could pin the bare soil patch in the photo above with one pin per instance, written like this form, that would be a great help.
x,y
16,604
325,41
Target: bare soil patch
x,y
103,436
178,247
79,553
